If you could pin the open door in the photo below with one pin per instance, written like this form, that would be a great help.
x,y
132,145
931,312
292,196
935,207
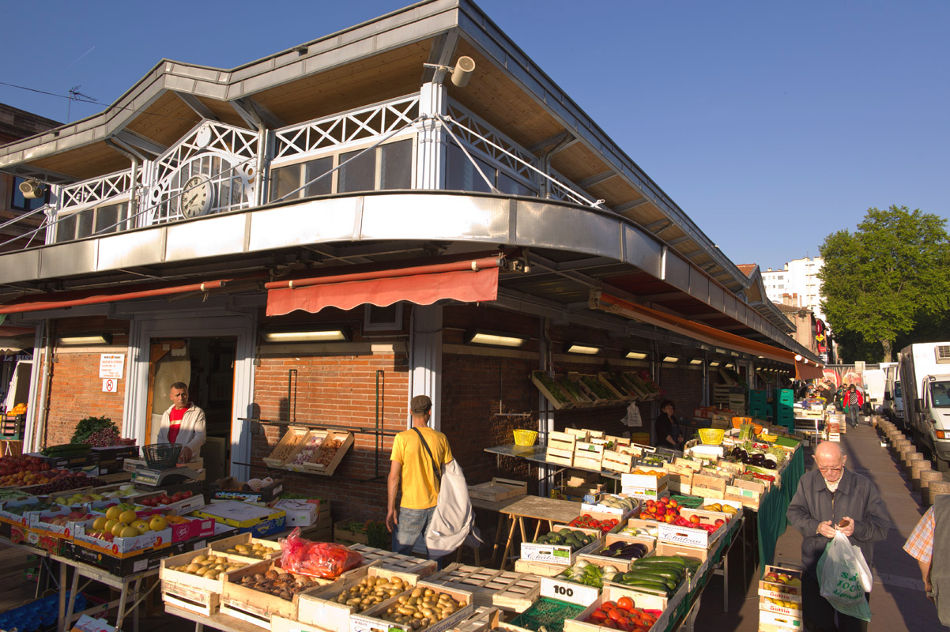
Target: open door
x,y
169,362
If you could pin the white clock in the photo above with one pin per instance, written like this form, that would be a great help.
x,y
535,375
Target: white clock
x,y
196,196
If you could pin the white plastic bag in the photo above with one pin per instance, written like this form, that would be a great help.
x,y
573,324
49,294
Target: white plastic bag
x,y
844,577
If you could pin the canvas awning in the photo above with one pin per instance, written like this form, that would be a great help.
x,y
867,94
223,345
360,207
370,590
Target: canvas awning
x,y
805,370
468,281
697,331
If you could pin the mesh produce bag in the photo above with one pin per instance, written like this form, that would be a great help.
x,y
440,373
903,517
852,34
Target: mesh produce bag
x,y
316,559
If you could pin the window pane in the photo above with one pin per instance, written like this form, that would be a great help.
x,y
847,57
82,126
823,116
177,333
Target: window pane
x,y
283,181
84,223
315,169
358,175
106,217
511,186
396,165
66,228
461,175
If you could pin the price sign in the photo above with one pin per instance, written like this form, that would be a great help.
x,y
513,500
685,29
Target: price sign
x,y
110,385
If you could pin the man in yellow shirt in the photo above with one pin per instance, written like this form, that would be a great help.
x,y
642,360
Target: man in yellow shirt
x,y
418,456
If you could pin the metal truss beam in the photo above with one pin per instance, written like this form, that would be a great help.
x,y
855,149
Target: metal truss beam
x,y
560,142
443,48
596,179
629,206
255,114
197,106
140,142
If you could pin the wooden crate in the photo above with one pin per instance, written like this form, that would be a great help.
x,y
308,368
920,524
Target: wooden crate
x,y
472,579
320,607
372,618
498,489
617,462
539,379
559,457
617,441
514,591
221,546
191,592
395,561
622,563
541,569
255,606
344,535
482,620
287,446
320,459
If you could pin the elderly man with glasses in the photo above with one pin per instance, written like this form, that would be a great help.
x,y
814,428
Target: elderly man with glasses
x,y
831,498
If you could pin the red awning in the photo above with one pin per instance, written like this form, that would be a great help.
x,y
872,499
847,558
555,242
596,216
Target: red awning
x,y
468,281
697,331
805,370
110,295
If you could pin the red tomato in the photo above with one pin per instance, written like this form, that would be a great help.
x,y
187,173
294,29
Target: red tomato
x,y
598,615
625,603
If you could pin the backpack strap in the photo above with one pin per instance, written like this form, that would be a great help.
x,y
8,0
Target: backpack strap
x,y
435,470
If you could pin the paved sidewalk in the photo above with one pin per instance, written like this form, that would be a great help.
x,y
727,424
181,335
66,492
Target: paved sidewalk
x,y
897,601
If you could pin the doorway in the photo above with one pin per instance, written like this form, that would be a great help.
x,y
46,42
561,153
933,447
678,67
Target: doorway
x,y
207,365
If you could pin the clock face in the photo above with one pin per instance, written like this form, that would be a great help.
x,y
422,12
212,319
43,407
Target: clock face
x,y
196,196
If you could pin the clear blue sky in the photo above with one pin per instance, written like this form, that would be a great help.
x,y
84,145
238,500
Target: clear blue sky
x,y
771,124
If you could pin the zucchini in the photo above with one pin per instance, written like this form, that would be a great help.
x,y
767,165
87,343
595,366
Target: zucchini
x,y
663,559
649,586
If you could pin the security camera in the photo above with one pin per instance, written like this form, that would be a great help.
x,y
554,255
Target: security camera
x,y
32,189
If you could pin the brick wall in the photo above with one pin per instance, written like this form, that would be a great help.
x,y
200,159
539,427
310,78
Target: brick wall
x,y
335,390
75,392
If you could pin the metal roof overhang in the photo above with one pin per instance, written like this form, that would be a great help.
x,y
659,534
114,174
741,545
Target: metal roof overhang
x,y
570,248
368,63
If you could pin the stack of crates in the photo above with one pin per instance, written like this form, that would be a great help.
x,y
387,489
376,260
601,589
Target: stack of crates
x,y
759,405
785,408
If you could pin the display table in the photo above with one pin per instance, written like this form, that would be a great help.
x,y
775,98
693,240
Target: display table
x,y
534,508
536,454
774,506
130,587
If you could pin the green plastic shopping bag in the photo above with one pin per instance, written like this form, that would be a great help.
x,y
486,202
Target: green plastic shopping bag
x,y
844,577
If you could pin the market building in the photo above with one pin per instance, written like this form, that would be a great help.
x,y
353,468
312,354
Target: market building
x,y
315,237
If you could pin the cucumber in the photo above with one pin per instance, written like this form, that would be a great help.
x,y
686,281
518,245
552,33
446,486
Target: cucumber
x,y
656,579
663,559
649,586
672,576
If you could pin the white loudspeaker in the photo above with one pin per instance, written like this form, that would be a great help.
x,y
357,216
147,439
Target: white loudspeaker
x,y
462,73
32,189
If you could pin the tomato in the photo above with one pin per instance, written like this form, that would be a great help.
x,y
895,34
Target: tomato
x,y
598,615
625,603
673,503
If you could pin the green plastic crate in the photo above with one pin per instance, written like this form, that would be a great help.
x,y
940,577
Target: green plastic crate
x,y
547,613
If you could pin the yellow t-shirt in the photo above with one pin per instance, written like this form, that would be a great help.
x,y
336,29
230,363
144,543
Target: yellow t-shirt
x,y
419,487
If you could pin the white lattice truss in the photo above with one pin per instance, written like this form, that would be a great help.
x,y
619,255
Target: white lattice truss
x,y
494,146
96,191
228,158
352,127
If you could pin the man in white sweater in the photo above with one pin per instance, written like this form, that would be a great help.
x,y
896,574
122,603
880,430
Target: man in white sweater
x,y
183,423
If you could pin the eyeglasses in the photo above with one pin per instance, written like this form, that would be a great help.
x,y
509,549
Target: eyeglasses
x,y
830,469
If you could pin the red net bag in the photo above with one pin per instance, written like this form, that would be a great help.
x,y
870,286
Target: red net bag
x,y
317,559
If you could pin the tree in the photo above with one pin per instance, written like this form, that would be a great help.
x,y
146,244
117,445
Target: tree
x,y
888,277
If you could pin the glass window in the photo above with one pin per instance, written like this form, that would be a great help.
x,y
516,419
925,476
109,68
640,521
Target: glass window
x,y
509,185
84,221
359,174
314,169
940,392
461,175
395,165
283,180
21,203
108,216
66,228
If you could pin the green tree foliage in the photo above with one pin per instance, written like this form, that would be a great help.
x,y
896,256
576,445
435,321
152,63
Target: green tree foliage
x,y
887,278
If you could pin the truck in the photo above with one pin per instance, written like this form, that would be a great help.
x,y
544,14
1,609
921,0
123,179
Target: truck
x,y
893,400
925,381
874,380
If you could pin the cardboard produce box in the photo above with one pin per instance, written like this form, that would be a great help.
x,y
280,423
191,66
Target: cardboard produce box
x,y
260,521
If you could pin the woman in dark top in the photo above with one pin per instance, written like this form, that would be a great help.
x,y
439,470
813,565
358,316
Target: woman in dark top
x,y
665,430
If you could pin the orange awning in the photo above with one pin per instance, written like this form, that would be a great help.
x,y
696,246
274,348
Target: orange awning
x,y
469,281
697,331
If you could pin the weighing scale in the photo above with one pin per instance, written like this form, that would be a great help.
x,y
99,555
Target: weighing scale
x,y
148,477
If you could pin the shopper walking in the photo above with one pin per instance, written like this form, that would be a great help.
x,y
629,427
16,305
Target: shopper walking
x,y
418,456
831,498
853,402
930,539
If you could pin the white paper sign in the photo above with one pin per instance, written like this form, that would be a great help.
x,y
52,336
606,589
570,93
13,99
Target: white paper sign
x,y
111,365
110,385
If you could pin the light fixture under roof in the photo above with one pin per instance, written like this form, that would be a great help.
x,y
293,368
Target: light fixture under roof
x,y
72,341
635,355
671,359
696,361
583,349
495,340
323,335
714,363
730,366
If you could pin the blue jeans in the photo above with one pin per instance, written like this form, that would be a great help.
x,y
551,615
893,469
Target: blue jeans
x,y
411,529
852,415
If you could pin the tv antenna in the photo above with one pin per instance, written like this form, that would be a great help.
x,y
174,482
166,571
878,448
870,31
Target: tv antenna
x,y
75,94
